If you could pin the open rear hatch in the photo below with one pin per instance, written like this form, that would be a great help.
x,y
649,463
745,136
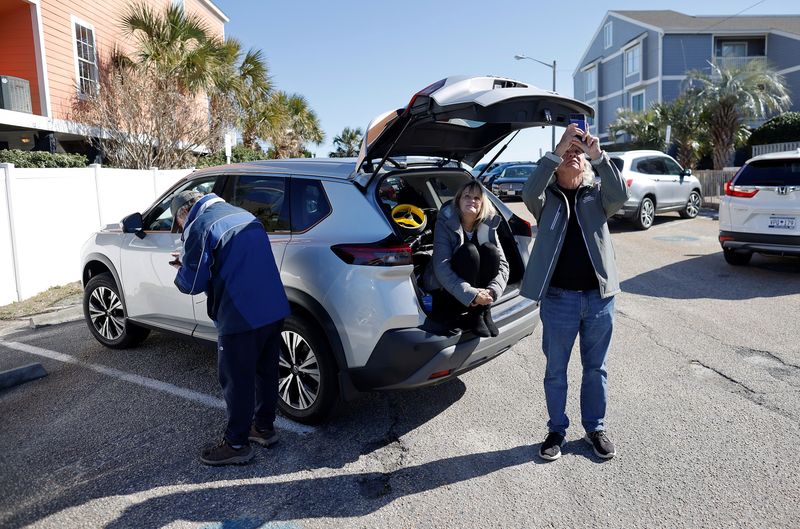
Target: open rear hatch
x,y
461,119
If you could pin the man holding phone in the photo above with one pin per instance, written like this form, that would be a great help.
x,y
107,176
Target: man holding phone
x,y
228,256
572,273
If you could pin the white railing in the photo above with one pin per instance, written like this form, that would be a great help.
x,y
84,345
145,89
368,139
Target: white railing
x,y
47,214
737,62
775,147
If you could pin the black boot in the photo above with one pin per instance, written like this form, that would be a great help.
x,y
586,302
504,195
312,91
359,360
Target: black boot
x,y
475,322
487,319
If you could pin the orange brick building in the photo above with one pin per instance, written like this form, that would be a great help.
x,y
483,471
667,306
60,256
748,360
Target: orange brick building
x,y
50,54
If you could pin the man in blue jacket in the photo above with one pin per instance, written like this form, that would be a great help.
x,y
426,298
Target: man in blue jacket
x,y
227,254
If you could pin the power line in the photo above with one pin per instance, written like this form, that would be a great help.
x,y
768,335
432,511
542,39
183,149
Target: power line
x,y
733,16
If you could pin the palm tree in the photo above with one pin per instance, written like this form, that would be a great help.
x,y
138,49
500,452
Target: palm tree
x,y
290,124
347,143
732,96
689,132
643,127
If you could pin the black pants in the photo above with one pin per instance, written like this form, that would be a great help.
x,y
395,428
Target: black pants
x,y
477,265
248,374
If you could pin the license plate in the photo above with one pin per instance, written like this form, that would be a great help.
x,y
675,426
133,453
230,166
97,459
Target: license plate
x,y
783,223
511,192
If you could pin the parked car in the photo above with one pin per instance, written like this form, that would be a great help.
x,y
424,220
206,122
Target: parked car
x,y
658,184
489,176
761,208
352,238
511,180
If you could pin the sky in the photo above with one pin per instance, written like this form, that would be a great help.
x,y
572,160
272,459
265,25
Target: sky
x,y
355,59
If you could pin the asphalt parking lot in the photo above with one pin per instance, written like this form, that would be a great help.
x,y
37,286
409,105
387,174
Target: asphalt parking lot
x,y
704,406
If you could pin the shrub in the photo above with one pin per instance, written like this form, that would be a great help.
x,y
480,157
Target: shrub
x,y
780,129
239,153
41,159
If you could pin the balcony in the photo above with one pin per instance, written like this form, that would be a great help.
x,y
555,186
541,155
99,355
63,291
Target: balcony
x,y
738,62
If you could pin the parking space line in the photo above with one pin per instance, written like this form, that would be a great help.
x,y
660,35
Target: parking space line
x,y
150,383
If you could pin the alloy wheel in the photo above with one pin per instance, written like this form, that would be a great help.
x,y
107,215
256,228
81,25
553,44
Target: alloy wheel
x,y
647,213
693,206
298,372
106,313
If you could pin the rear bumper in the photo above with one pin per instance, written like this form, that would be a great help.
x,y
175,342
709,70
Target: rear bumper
x,y
406,358
761,243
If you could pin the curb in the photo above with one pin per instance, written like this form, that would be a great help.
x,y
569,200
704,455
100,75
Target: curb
x,y
20,375
65,315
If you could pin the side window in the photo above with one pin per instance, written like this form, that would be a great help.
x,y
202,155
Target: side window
x,y
160,217
672,167
618,162
264,197
309,204
647,166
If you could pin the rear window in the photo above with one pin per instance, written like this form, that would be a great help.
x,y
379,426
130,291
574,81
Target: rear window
x,y
770,173
618,162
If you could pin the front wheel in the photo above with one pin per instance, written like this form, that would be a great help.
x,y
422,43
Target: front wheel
x,y
307,382
692,206
105,314
645,215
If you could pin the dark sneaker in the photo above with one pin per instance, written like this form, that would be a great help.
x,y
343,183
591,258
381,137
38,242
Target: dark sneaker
x,y
601,444
265,438
225,454
551,447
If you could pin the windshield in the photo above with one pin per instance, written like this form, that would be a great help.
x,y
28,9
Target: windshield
x,y
770,173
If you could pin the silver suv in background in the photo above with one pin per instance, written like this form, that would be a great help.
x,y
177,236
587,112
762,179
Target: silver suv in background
x,y
658,184
352,238
760,211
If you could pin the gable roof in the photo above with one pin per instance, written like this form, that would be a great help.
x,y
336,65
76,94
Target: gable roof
x,y
673,22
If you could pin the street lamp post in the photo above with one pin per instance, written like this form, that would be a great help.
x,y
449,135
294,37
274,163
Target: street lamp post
x,y
553,66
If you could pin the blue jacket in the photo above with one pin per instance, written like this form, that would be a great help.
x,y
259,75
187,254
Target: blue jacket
x,y
227,255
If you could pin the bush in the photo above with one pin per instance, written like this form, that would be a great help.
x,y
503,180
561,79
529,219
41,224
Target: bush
x,y
780,129
239,153
41,159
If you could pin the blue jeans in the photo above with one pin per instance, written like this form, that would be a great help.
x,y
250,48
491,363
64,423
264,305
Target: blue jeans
x,y
566,314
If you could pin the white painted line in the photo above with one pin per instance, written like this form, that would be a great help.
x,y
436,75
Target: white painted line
x,y
150,383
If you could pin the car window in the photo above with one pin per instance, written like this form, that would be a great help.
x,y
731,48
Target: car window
x,y
672,167
651,165
263,196
160,217
310,204
619,162
519,172
770,173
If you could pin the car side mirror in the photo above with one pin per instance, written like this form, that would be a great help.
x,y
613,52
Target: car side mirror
x,y
133,223
686,172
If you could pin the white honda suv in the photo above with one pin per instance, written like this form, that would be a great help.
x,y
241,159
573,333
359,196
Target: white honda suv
x,y
761,208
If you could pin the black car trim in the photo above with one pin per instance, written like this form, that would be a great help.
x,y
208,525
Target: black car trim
x,y
760,238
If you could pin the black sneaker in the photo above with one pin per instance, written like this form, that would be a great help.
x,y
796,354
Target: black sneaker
x,y
601,444
225,454
265,438
551,447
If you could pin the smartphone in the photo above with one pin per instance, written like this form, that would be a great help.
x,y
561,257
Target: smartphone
x,y
578,119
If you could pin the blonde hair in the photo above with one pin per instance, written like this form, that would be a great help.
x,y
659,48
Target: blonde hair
x,y
486,209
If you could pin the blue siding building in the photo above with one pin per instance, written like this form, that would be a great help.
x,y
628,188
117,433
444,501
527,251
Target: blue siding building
x,y
637,58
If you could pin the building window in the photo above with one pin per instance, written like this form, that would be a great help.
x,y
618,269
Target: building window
x,y
86,56
608,39
637,101
591,80
633,58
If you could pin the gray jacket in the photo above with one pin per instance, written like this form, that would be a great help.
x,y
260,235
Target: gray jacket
x,y
447,238
595,203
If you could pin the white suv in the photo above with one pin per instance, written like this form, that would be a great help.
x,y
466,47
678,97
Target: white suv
x,y
351,237
761,208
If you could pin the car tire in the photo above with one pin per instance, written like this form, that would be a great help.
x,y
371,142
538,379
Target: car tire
x,y
307,381
737,258
105,314
645,215
692,206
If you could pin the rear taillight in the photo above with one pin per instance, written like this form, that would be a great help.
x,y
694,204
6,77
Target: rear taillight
x,y
629,181
381,253
424,93
520,226
739,191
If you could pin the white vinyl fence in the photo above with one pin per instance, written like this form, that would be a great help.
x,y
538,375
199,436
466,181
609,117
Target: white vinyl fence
x,y
775,147
47,214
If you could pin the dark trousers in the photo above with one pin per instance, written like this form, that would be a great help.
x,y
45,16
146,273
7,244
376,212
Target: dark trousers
x,y
248,374
477,265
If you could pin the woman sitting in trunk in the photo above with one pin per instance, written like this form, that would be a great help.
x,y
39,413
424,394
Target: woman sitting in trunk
x,y
469,270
